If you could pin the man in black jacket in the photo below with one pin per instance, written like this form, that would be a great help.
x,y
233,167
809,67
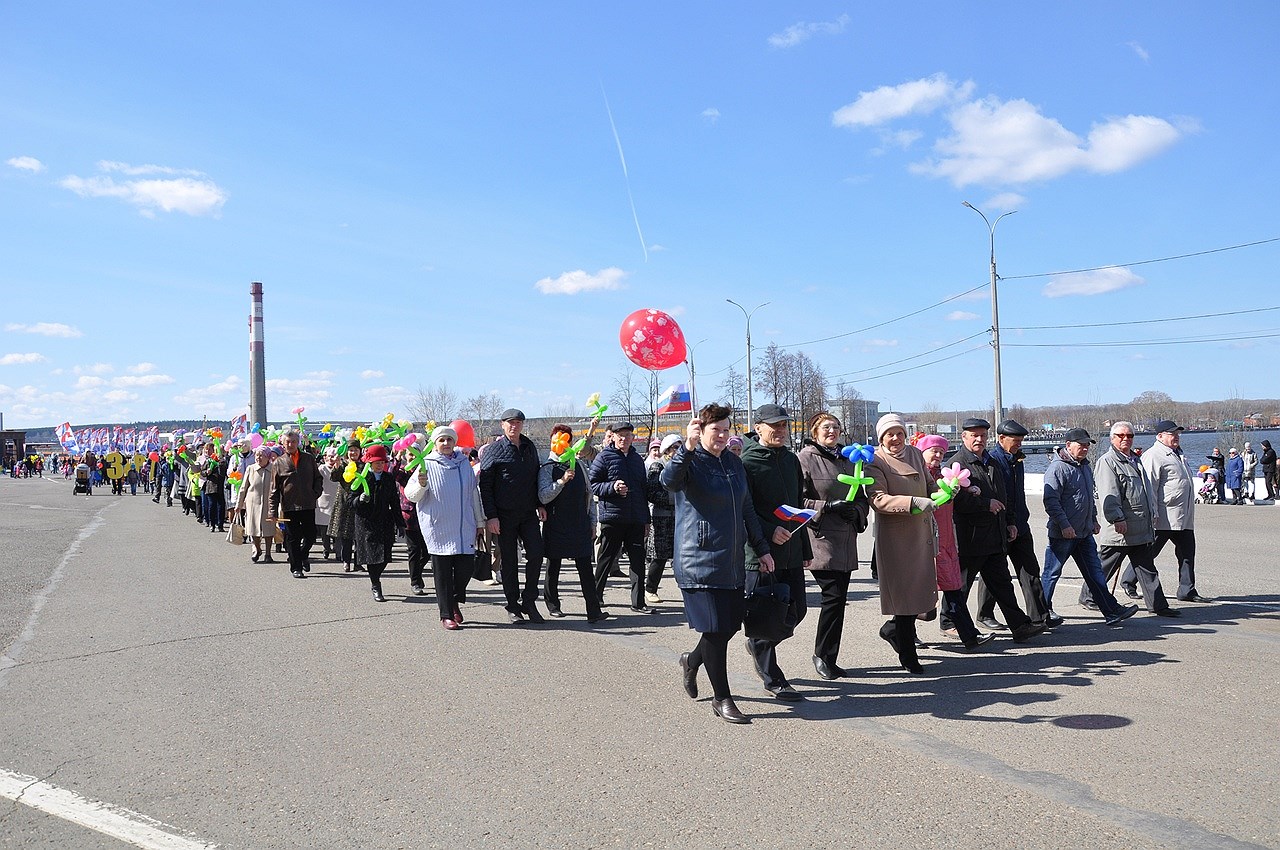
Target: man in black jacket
x,y
983,529
509,493
619,480
1007,453
775,478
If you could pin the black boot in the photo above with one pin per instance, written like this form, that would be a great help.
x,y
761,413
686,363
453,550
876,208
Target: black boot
x,y
904,627
377,592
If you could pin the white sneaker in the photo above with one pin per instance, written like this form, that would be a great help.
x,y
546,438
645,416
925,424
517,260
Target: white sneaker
x,y
652,598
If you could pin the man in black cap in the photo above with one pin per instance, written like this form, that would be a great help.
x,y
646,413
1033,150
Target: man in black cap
x,y
1175,497
983,529
1073,525
1007,453
1128,510
509,493
775,478
619,480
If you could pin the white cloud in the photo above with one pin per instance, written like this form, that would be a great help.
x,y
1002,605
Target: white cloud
x,y
803,31
95,369
571,283
1011,143
119,396
141,380
1091,283
89,382
16,359
711,114
323,375
297,385
175,190
1140,50
371,373
207,396
897,139
45,329
961,316
912,98
873,344
1005,201
142,368
676,311
25,163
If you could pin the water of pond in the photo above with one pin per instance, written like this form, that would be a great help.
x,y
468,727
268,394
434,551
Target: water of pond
x,y
1195,446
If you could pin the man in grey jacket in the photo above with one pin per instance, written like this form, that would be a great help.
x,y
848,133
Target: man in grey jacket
x,y
1175,493
1129,507
1073,524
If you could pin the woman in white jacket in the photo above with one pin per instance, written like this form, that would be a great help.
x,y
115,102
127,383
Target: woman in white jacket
x,y
449,511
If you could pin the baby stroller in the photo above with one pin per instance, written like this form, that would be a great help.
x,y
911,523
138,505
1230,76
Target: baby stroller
x,y
1208,492
82,480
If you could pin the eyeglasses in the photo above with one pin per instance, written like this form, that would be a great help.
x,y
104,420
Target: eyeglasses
x,y
1123,436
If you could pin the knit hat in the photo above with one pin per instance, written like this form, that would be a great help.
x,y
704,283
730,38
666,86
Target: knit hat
x,y
931,441
670,440
889,420
443,431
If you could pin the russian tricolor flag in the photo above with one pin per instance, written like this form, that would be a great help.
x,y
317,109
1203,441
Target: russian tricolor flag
x,y
786,513
675,400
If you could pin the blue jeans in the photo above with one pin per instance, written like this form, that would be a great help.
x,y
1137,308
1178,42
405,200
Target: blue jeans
x,y
1084,551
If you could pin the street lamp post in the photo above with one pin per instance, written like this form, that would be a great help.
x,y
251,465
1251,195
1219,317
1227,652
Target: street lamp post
x,y
693,387
750,407
995,307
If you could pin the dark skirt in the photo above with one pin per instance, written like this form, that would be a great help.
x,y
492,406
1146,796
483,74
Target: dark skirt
x,y
663,540
714,609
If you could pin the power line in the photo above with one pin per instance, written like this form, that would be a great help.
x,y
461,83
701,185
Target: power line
x,y
912,357
1143,321
887,321
1143,262
1184,341
924,365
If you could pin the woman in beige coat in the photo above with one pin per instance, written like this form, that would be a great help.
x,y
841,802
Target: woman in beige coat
x,y
254,504
905,538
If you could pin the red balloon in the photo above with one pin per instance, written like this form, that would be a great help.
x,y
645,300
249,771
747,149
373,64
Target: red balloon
x,y
154,456
466,435
651,339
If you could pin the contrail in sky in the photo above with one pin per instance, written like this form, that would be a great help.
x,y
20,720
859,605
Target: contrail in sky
x,y
623,159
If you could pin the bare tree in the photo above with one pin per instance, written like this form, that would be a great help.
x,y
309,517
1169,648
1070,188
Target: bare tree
x,y
733,392
1150,407
483,410
809,386
435,403
562,410
627,398
774,375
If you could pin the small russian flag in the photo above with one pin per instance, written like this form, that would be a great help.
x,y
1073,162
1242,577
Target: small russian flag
x,y
675,400
787,513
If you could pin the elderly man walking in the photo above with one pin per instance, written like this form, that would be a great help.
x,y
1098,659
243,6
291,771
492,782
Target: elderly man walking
x,y
1175,494
1129,508
509,493
296,486
1073,524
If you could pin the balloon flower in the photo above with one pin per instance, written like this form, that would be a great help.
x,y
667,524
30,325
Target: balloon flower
x,y
597,409
857,455
358,480
302,420
568,455
417,457
236,479
954,478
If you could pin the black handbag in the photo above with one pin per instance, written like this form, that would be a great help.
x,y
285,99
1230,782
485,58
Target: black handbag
x,y
768,610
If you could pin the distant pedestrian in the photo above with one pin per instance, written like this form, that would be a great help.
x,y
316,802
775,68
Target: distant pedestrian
x,y
1250,458
1269,469
1235,477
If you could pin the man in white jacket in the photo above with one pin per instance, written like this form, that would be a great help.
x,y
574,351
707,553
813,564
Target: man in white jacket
x,y
1250,458
1175,498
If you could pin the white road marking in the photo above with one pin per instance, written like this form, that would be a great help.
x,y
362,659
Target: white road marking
x,y
129,826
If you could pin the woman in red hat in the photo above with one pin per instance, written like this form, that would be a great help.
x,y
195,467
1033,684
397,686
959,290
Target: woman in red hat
x,y
377,516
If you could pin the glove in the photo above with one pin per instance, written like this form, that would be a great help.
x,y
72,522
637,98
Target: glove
x,y
841,508
921,504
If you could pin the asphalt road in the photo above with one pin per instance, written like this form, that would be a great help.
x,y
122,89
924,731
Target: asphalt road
x,y
149,665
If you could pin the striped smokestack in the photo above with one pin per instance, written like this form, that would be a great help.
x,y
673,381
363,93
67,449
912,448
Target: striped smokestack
x,y
257,360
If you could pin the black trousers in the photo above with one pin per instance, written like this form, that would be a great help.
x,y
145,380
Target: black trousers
x,y
834,585
514,531
551,592
653,576
994,571
1269,478
299,537
712,654
1026,566
765,652
614,537
1184,549
418,556
450,573
1143,562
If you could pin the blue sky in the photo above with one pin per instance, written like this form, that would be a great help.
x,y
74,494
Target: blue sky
x,y
401,177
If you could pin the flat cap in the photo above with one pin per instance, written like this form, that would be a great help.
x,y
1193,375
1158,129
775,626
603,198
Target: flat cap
x,y
512,413
973,423
621,426
771,414
1011,428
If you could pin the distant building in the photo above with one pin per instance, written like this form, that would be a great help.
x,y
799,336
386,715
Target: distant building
x,y
859,417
